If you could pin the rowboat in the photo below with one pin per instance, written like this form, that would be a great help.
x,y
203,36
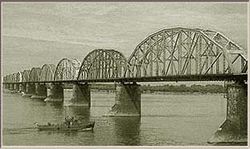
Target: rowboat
x,y
66,127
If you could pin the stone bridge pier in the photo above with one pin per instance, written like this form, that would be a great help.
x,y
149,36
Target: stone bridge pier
x,y
19,88
234,128
41,91
30,89
6,86
16,87
127,100
55,93
11,87
80,95
23,88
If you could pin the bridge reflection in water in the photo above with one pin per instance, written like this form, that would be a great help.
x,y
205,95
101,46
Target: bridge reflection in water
x,y
175,54
127,130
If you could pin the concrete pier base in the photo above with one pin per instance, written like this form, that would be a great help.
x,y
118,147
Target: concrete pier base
x,y
30,90
7,86
55,93
41,92
234,129
127,101
14,88
11,87
80,96
17,87
23,88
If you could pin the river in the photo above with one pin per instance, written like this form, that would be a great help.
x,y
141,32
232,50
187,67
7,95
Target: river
x,y
167,119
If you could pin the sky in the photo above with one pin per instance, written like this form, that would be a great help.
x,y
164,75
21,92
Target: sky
x,y
34,34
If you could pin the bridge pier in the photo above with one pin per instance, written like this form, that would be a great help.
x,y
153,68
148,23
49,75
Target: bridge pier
x,y
11,87
30,90
127,101
234,128
55,93
17,87
80,95
41,92
23,88
6,86
14,88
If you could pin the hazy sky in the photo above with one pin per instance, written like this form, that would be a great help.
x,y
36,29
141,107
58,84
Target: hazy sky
x,y
38,33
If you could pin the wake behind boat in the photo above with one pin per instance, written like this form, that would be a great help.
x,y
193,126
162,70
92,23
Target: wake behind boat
x,y
68,125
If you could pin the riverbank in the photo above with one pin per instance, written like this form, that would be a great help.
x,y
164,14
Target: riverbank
x,y
204,89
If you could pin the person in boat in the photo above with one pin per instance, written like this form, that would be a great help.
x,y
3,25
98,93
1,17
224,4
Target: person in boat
x,y
69,121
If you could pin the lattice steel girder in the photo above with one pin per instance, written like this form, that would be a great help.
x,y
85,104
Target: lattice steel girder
x,y
185,51
34,74
174,51
47,72
25,76
13,77
19,77
103,63
67,69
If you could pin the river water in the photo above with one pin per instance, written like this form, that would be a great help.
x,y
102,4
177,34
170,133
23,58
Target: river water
x,y
167,119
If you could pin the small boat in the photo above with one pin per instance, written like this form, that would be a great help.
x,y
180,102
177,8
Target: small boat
x,y
66,126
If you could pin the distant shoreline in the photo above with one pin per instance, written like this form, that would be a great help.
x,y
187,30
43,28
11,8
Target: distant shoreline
x,y
160,93
168,88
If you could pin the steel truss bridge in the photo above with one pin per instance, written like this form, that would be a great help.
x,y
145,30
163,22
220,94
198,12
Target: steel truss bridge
x,y
175,54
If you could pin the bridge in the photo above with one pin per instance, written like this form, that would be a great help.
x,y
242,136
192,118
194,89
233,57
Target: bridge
x,y
175,54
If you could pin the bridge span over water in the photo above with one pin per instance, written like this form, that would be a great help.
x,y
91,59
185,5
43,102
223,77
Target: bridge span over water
x,y
175,54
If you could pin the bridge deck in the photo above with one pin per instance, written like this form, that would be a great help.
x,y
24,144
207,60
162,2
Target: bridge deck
x,y
175,78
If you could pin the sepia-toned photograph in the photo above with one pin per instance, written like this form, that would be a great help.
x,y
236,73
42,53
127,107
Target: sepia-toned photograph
x,y
112,74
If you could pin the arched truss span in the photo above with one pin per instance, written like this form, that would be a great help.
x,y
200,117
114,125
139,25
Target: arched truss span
x,y
47,72
103,64
67,69
7,78
26,75
34,74
19,77
183,51
13,77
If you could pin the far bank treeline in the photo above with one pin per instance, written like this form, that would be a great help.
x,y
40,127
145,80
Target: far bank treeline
x,y
210,88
